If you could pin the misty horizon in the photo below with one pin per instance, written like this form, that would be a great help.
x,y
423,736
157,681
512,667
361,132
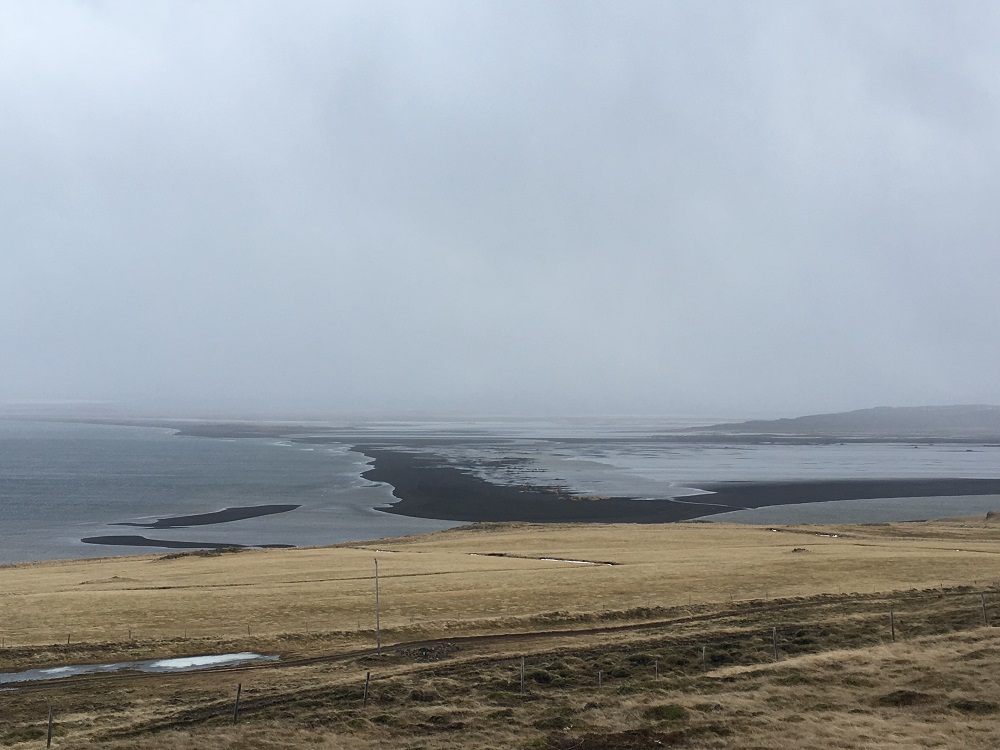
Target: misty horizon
x,y
739,211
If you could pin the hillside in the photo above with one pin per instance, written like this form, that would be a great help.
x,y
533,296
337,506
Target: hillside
x,y
788,644
966,421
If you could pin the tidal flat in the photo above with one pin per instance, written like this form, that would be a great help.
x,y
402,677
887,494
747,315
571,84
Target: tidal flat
x,y
67,489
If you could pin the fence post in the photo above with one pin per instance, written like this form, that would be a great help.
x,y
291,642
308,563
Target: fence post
x,y
364,700
892,626
236,705
704,660
48,735
774,642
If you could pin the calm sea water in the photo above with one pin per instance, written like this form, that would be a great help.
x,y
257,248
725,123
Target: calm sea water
x,y
62,482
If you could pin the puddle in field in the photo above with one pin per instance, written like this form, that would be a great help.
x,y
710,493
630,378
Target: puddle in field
x,y
180,664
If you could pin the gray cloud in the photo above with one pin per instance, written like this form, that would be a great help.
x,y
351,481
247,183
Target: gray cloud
x,y
560,207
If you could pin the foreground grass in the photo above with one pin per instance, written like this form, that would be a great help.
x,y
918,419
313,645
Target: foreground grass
x,y
613,653
452,581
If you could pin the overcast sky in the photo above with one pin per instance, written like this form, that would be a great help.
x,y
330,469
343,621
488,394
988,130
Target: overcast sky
x,y
673,208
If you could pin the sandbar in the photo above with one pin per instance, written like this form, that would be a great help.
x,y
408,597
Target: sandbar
x,y
141,541
428,487
219,516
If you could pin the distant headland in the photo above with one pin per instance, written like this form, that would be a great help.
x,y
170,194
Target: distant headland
x,y
979,422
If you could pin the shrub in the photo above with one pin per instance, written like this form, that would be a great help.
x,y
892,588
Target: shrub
x,y
974,707
667,712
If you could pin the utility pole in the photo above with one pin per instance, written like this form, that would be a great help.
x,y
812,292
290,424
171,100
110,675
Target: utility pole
x,y
378,631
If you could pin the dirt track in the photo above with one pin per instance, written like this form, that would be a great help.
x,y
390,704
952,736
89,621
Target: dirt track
x,y
736,620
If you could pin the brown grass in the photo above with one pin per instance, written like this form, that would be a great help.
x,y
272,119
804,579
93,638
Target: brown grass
x,y
672,590
444,582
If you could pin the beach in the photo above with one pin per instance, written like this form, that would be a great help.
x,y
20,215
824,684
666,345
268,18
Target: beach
x,y
428,486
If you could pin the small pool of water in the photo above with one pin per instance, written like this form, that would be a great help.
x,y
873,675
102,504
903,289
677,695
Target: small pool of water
x,y
179,664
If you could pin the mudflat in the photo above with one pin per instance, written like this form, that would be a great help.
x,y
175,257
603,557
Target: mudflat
x,y
428,487
225,515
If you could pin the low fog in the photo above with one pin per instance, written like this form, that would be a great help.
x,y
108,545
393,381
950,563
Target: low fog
x,y
499,207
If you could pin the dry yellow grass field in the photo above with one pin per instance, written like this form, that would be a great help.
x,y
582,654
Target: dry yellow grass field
x,y
594,638
455,581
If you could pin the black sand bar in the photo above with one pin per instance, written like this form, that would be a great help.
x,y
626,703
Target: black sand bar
x,y
220,516
141,541
761,494
428,487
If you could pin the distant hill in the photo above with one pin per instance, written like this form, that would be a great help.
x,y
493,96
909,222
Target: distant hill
x,y
882,421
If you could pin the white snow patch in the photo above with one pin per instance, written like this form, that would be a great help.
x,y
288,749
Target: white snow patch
x,y
188,662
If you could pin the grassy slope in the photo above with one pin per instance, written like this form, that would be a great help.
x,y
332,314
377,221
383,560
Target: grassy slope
x,y
839,683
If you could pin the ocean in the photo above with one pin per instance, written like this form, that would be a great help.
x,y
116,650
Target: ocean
x,y
63,482
60,483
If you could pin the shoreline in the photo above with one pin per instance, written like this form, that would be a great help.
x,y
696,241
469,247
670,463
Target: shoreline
x,y
313,433
427,487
